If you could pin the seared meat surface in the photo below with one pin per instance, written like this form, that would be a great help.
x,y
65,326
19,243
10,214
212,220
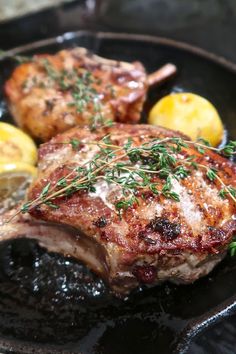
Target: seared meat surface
x,y
155,238
53,93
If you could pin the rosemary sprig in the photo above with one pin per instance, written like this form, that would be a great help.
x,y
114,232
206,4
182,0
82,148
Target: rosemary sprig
x,y
152,166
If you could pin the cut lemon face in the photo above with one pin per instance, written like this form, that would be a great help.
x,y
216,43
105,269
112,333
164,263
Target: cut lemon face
x,y
190,114
15,178
15,145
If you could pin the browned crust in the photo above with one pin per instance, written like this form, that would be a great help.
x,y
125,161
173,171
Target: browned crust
x,y
82,210
44,112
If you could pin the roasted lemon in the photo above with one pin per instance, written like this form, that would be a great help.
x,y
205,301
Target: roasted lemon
x,y
15,178
190,114
15,145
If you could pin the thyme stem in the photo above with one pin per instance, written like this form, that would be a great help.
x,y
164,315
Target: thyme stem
x,y
150,166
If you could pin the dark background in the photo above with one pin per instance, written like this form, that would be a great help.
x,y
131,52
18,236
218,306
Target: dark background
x,y
210,24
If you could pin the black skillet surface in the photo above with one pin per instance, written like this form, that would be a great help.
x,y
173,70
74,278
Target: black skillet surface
x,y
49,304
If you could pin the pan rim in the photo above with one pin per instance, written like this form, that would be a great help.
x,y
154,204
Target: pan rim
x,y
203,53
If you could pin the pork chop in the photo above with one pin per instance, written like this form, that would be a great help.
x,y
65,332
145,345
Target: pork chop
x,y
52,93
172,222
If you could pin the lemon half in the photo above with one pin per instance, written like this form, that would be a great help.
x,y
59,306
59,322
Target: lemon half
x,y
190,114
15,145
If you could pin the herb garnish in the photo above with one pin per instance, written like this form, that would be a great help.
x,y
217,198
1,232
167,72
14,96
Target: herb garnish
x,y
130,167
232,247
152,166
82,85
78,81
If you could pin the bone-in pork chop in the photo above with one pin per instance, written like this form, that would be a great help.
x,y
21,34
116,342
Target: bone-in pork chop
x,y
52,93
148,205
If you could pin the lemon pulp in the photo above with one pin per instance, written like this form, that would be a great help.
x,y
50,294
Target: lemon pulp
x,y
15,179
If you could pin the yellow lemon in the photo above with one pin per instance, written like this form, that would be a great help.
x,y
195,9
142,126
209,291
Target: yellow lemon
x,y
15,145
15,178
190,114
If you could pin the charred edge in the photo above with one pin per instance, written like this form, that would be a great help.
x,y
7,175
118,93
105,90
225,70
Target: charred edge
x,y
216,234
100,222
143,236
145,274
168,230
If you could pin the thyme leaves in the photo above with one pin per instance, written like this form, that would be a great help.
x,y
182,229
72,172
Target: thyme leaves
x,y
80,83
152,166
82,86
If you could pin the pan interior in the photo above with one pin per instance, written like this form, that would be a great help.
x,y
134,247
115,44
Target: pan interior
x,y
48,299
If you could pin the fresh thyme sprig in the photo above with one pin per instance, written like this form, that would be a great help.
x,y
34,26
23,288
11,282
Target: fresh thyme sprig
x,y
152,166
81,84
227,150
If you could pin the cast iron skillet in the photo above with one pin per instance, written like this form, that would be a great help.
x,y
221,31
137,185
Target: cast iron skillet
x,y
49,304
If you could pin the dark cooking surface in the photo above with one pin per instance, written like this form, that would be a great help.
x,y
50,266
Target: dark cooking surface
x,y
51,300
48,299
